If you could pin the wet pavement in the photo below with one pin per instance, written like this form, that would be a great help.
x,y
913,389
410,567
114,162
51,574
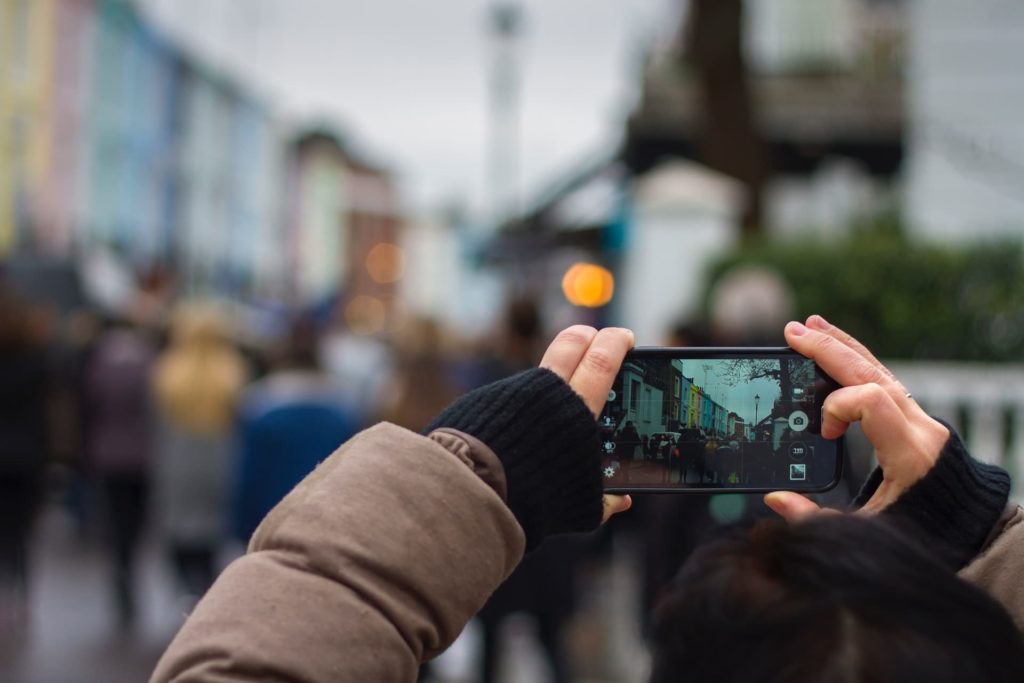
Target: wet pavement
x,y
74,633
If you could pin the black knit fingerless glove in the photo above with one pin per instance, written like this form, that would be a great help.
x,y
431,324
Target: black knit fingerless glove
x,y
953,508
548,442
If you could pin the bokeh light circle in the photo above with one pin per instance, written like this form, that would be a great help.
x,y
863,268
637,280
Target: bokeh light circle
x,y
588,285
385,263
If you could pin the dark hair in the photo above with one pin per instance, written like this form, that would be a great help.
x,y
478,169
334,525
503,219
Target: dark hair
x,y
835,598
300,345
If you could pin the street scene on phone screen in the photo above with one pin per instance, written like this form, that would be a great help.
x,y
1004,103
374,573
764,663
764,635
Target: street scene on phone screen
x,y
717,423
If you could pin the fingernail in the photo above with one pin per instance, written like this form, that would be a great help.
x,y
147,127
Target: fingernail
x,y
819,322
796,328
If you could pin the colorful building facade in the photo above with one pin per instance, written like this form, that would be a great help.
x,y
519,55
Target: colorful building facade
x,y
113,138
344,224
26,48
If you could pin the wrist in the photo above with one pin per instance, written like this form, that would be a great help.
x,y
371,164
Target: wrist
x,y
952,507
548,444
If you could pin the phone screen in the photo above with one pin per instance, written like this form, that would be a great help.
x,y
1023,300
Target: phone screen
x,y
718,419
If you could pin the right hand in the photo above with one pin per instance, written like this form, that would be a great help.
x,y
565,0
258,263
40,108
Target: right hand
x,y
588,361
907,440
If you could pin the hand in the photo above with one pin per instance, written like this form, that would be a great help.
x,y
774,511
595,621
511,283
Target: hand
x,y
907,440
588,361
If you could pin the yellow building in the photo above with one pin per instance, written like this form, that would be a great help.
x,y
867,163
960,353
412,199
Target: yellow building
x,y
693,406
26,55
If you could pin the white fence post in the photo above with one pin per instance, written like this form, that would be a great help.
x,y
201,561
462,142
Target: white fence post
x,y
1015,462
984,393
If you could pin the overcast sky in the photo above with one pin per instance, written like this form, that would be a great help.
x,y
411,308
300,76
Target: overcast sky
x,y
406,79
717,379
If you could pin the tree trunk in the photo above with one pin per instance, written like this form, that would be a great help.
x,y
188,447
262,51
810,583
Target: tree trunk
x,y
730,141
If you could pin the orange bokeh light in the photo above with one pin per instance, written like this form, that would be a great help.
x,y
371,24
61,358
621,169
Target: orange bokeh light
x,y
385,263
588,285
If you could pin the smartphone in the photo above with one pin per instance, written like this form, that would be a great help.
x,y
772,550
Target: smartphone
x,y
743,420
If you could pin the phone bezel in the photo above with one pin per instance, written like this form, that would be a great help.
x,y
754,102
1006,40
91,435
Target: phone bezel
x,y
714,352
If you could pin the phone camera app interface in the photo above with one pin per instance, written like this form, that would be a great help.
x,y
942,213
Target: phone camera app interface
x,y
711,423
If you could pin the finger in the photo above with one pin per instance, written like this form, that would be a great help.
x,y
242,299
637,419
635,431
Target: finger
x,y
595,374
840,361
885,495
613,505
884,424
564,354
819,323
791,506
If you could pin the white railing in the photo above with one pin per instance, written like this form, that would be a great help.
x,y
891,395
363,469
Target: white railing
x,y
985,402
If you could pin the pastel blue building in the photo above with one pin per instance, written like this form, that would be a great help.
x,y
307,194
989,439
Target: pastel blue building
x,y
128,196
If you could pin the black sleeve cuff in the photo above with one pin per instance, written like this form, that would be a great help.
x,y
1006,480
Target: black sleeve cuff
x,y
953,508
547,441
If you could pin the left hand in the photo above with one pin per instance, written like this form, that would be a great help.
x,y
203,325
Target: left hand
x,y
907,440
588,361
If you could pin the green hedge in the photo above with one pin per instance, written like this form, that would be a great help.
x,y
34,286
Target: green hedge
x,y
904,299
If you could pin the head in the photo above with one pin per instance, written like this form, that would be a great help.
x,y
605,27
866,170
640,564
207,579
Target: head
x,y
198,326
300,348
198,381
835,598
749,306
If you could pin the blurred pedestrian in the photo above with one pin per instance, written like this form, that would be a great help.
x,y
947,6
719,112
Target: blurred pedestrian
x,y
24,450
670,527
197,384
288,422
424,382
363,365
544,585
119,441
629,440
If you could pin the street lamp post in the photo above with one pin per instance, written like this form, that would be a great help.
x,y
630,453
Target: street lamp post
x,y
757,400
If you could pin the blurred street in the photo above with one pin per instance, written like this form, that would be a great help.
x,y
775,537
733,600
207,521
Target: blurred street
x,y
74,634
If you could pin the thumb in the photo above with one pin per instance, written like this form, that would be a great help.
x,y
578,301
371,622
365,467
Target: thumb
x,y
792,507
614,505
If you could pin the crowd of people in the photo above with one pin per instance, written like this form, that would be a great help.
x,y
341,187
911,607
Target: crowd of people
x,y
179,427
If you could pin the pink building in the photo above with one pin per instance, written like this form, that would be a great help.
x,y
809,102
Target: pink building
x,y
56,199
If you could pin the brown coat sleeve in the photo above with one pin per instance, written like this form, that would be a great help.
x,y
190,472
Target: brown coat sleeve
x,y
999,569
370,565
